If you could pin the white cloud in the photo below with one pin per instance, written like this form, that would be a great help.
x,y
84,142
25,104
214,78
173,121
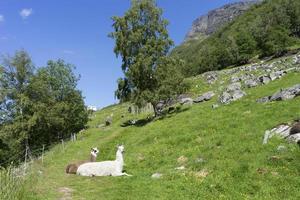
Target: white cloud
x,y
26,12
1,18
70,52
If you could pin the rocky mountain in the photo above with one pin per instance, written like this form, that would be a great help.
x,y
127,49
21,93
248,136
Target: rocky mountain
x,y
207,24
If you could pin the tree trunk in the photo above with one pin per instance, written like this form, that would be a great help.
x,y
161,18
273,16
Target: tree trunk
x,y
156,113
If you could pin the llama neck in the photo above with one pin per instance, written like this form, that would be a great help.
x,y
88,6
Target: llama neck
x,y
93,158
119,157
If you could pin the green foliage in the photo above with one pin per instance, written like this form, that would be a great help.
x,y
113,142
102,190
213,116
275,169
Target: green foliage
x,y
39,107
123,93
267,29
143,42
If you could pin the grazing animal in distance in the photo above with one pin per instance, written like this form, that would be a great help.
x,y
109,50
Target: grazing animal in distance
x,y
105,168
72,168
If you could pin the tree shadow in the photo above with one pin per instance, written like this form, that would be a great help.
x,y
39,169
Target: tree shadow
x,y
167,113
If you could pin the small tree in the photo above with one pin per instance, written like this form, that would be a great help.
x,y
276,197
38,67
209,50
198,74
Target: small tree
x,y
143,42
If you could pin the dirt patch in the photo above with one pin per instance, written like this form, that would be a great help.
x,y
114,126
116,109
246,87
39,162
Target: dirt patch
x,y
66,193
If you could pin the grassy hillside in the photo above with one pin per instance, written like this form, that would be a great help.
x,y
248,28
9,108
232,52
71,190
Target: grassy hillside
x,y
221,150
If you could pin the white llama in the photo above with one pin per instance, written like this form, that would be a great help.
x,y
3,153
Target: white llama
x,y
72,168
105,168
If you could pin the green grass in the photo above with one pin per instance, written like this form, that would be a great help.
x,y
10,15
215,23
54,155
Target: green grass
x,y
228,139
12,183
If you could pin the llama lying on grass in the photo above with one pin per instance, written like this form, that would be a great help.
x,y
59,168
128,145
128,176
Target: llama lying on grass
x,y
72,168
105,168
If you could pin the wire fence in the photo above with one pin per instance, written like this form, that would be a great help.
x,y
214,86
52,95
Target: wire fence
x,y
13,172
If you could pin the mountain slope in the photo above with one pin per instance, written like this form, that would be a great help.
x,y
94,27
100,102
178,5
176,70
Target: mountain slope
x,y
208,24
267,29
221,150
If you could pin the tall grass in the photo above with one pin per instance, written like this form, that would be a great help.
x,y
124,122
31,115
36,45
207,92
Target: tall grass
x,y
12,182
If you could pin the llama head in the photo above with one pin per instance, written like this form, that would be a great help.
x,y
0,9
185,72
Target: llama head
x,y
121,148
94,151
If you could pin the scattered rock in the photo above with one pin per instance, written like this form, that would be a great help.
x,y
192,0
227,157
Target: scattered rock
x,y
182,160
205,97
100,125
233,87
283,94
275,173
214,106
186,101
199,160
294,138
66,192
263,100
282,131
156,176
296,59
141,157
251,83
108,121
262,171
233,92
281,148
235,79
275,158
277,75
180,168
211,77
264,79
201,174
225,98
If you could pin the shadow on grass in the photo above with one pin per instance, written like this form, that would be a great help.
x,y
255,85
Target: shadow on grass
x,y
165,114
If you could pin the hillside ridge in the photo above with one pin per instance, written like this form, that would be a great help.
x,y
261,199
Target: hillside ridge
x,y
207,24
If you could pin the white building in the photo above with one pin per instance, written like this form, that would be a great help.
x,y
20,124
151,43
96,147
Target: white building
x,y
93,108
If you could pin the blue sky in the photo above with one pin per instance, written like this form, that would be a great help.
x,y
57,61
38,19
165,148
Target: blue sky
x,y
76,31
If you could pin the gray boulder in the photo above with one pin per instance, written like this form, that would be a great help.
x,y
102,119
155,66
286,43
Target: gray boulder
x,y
233,87
277,75
225,98
156,175
108,121
294,138
282,95
205,97
251,83
263,100
281,130
233,92
286,94
211,77
235,79
186,101
237,94
264,79
214,106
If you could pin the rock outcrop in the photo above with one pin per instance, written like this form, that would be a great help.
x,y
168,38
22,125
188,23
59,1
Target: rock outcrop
x,y
233,92
204,97
208,24
284,131
282,95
